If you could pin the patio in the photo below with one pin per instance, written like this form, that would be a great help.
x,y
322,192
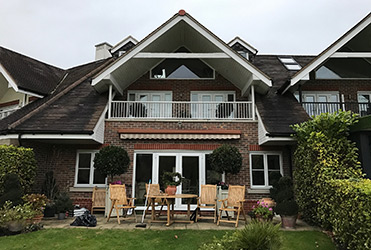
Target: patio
x,y
130,225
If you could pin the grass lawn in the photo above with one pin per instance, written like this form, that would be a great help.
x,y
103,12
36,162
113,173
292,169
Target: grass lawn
x,y
143,239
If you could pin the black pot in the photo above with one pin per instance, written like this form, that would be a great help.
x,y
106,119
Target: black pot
x,y
49,211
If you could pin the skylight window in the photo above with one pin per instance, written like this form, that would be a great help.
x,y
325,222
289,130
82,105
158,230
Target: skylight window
x,y
289,63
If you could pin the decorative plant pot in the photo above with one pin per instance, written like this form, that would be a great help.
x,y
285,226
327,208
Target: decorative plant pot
x,y
288,221
37,219
170,190
61,216
16,226
49,211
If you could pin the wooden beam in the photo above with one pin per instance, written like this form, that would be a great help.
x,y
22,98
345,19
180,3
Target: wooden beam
x,y
181,55
351,55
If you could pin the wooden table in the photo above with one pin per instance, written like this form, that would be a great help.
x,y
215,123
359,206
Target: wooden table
x,y
170,200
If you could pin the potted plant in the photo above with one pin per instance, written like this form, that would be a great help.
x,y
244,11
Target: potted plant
x,y
15,217
37,203
171,180
262,211
283,194
63,204
50,190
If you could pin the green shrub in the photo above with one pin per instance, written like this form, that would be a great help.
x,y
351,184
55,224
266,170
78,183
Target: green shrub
x,y
255,236
350,214
13,191
323,153
226,159
111,161
63,203
283,194
20,161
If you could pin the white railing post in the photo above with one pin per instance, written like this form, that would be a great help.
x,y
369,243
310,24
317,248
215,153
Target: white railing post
x,y
109,100
253,102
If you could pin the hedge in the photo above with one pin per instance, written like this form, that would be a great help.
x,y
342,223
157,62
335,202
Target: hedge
x,y
350,213
20,161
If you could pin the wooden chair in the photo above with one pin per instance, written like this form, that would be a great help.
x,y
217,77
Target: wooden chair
x,y
98,200
234,203
154,189
120,201
208,200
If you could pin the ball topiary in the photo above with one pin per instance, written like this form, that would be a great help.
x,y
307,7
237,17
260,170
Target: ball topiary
x,y
111,161
226,158
12,190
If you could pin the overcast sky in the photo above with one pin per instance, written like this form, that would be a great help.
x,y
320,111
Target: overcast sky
x,y
63,33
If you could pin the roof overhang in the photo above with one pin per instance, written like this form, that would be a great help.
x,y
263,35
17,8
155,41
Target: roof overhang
x,y
181,30
331,51
244,44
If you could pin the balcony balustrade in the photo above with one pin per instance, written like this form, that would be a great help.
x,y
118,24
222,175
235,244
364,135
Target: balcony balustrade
x,y
182,110
5,113
316,108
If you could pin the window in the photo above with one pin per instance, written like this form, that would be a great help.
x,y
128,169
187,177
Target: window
x,y
364,99
261,165
86,176
155,104
212,104
316,103
289,63
182,69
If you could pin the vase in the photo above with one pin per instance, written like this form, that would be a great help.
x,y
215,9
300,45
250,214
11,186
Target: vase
x,y
170,190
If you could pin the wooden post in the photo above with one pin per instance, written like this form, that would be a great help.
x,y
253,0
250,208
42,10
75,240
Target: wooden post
x,y
109,100
253,101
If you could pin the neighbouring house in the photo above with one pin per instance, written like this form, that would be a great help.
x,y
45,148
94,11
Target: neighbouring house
x,y
172,98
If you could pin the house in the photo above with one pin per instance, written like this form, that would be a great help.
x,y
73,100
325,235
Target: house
x,y
176,95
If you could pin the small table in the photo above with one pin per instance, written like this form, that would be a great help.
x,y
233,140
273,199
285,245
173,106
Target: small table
x,y
170,200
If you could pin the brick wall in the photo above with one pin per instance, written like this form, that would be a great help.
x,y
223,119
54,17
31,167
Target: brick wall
x,y
347,87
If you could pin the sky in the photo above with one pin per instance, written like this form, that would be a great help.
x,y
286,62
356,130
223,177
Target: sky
x,y
64,33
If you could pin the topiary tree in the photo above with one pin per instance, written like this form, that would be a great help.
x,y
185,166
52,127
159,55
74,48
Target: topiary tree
x,y
12,190
111,161
323,153
226,159
283,194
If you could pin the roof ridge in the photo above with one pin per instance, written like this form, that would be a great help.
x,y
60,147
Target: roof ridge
x,y
57,96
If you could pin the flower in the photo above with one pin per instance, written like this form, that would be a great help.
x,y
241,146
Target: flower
x,y
262,210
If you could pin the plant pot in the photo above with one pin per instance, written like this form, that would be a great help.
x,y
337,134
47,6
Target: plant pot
x,y
37,219
289,221
61,216
49,211
16,226
170,190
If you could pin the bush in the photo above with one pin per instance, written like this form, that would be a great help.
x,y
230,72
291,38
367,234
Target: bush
x,y
283,194
323,153
20,161
111,161
10,212
13,191
255,236
226,159
63,203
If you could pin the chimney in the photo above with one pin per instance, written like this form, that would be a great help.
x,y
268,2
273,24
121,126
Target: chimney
x,y
102,51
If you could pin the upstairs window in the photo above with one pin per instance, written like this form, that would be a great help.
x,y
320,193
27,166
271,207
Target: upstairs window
x,y
182,69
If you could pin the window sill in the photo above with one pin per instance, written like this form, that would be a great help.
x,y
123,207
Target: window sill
x,y
81,189
258,191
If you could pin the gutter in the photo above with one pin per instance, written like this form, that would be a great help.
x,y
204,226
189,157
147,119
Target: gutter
x,y
279,134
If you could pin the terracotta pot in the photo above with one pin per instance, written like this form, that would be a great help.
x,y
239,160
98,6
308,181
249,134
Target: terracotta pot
x,y
289,221
37,219
170,190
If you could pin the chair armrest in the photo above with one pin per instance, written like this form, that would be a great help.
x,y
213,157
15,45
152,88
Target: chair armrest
x,y
222,200
131,198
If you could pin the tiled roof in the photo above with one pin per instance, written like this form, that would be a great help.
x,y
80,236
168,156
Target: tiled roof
x,y
30,74
278,111
74,106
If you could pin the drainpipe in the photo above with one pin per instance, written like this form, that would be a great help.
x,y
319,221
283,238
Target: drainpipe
x,y
20,139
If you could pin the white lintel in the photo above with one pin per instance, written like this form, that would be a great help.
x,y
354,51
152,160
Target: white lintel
x,y
181,55
351,55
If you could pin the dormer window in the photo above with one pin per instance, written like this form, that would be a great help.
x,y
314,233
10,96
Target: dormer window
x,y
243,54
289,63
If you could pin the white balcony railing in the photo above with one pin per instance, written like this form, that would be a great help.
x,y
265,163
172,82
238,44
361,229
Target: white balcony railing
x,y
182,110
5,113
316,108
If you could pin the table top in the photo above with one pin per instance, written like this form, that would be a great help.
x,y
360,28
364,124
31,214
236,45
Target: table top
x,y
166,196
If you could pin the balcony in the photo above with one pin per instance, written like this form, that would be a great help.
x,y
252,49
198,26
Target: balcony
x,y
5,113
165,110
316,108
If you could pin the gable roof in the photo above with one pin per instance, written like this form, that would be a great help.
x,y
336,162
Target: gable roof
x,y
74,107
322,57
243,43
29,74
153,42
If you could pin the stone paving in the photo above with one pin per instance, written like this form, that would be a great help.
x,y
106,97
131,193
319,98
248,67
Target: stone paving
x,y
130,224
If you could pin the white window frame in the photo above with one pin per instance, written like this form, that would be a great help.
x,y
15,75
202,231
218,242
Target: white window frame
x,y
92,169
213,94
317,94
150,94
265,169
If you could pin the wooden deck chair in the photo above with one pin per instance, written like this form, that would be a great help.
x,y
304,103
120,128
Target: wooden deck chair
x,y
120,201
208,200
234,203
98,200
154,189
